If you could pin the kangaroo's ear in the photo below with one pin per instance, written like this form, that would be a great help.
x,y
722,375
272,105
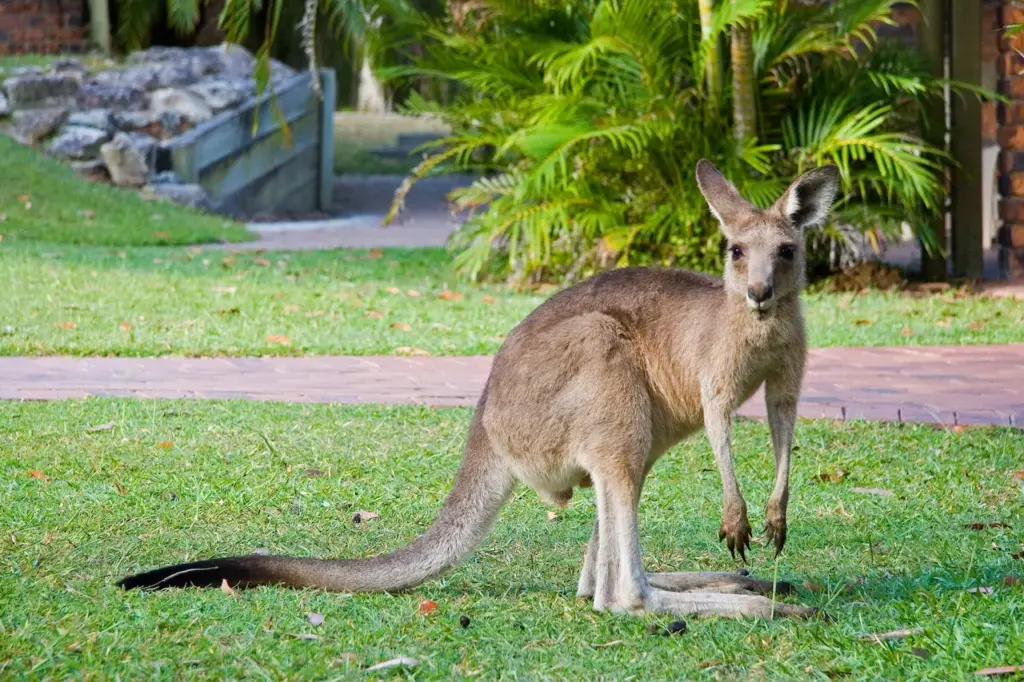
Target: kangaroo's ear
x,y
724,200
807,201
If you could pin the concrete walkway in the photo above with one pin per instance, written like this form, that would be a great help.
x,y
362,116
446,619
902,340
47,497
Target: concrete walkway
x,y
950,385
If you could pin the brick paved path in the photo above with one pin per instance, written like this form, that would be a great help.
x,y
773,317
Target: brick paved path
x,y
943,384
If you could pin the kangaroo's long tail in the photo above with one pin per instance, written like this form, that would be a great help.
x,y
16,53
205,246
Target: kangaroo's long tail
x,y
481,488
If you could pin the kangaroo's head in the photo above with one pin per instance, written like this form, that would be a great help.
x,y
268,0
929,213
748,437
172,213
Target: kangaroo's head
x,y
764,261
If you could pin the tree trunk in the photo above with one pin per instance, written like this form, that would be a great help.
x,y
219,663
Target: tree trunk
x,y
713,68
744,96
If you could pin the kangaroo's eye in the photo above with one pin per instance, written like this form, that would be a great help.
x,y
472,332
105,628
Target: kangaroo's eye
x,y
787,252
736,252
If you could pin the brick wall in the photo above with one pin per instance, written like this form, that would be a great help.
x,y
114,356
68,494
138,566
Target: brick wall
x,y
1011,140
41,26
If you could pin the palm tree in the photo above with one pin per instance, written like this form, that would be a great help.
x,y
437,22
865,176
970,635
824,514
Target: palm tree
x,y
588,114
744,93
713,66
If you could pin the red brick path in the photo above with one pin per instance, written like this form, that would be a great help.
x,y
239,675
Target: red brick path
x,y
943,384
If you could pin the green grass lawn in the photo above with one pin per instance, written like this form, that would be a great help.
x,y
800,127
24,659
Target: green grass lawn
x,y
42,200
97,301
93,62
166,481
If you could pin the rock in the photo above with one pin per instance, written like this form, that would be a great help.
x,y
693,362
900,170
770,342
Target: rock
x,y
157,75
142,76
160,125
100,119
107,95
280,73
79,143
39,91
200,62
157,54
183,102
146,146
165,178
175,74
126,165
220,94
27,71
234,60
30,126
68,65
95,170
5,107
192,196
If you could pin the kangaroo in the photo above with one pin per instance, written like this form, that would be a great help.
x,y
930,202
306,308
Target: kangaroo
x,y
590,389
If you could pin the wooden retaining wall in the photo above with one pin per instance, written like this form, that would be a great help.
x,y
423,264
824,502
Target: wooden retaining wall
x,y
247,168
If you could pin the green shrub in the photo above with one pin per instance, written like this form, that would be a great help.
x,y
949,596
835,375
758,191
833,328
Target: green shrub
x,y
588,117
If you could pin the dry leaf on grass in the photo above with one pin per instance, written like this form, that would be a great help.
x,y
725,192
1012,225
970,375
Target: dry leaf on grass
x,y
427,606
862,322
401,326
980,590
125,326
100,427
812,586
1011,581
874,491
361,516
1000,670
306,635
1019,475
408,350
261,261
291,308
313,473
162,235
830,477
393,290
907,331
315,618
35,473
375,253
375,314
395,663
66,325
167,444
891,635
277,338
944,323
488,299
447,295
976,326
226,589
983,526
412,293
552,516
921,652
225,290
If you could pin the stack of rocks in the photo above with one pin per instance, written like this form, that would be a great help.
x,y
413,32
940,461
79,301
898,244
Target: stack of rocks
x,y
109,124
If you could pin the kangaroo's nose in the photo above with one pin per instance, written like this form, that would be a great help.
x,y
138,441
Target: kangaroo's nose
x,y
759,293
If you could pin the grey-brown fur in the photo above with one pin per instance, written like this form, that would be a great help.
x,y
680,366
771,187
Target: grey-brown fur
x,y
592,388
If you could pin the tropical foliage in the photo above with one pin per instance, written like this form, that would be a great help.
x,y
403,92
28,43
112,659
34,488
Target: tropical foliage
x,y
588,117
353,24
